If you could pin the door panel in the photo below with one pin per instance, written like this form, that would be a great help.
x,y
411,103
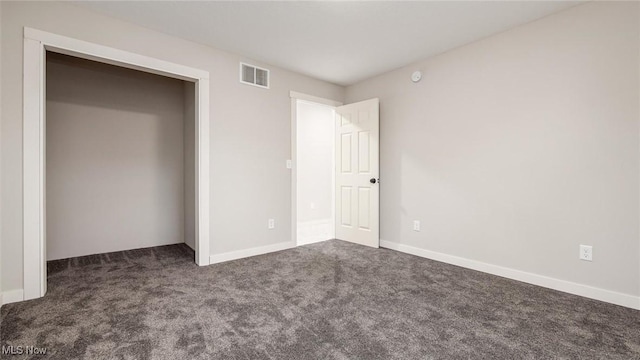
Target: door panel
x,y
364,158
364,205
357,163
346,205
345,149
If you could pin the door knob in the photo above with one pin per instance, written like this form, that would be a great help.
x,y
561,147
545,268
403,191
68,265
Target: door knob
x,y
373,180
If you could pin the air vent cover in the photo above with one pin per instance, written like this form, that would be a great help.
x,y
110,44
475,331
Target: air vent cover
x,y
253,75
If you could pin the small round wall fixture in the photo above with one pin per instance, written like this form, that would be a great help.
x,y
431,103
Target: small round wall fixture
x,y
416,76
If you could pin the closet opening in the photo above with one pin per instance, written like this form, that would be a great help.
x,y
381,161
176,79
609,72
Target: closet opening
x,y
120,159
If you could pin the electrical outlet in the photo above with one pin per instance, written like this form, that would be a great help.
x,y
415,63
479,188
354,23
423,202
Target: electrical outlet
x,y
586,252
313,206
416,225
289,164
271,224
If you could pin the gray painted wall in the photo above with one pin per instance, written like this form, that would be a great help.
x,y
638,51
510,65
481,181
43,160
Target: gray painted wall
x,y
114,158
250,127
515,149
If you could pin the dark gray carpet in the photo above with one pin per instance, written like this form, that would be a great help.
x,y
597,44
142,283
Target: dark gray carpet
x,y
331,300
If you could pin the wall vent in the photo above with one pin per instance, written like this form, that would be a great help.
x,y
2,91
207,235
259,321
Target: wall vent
x,y
253,75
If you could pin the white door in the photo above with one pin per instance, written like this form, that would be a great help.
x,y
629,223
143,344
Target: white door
x,y
357,172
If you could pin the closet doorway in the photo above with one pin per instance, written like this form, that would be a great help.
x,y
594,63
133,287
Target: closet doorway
x,y
37,44
119,159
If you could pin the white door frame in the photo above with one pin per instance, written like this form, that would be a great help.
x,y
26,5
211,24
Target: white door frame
x,y
36,44
295,96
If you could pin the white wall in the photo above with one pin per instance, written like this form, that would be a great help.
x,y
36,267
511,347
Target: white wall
x,y
515,149
250,127
114,158
315,132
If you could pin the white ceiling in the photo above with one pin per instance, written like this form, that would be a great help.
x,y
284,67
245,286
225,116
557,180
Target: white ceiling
x,y
340,42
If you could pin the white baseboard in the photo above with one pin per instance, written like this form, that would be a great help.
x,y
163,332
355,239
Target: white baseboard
x,y
234,255
314,241
311,232
591,292
11,296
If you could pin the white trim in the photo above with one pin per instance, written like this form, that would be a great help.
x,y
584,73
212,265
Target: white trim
x,y
36,43
300,96
591,292
303,243
34,265
202,140
294,170
108,55
333,175
11,296
240,254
